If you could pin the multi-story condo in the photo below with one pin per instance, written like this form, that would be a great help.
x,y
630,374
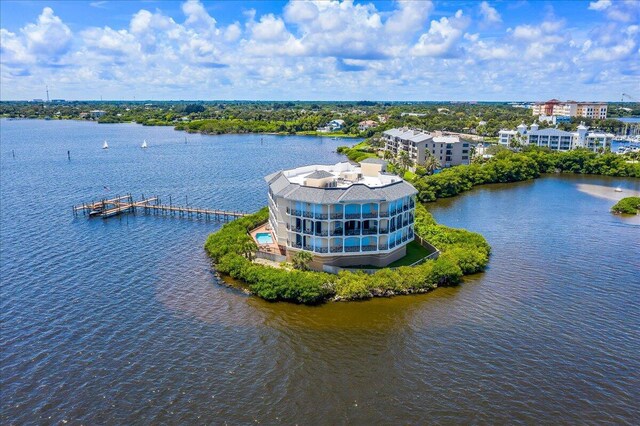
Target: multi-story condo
x,y
557,140
418,144
344,214
555,107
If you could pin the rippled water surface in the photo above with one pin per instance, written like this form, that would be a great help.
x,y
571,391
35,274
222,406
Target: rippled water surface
x,y
122,321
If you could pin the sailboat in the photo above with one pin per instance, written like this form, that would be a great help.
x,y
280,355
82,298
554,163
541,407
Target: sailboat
x,y
144,144
105,145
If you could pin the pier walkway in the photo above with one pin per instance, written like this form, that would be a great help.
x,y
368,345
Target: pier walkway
x,y
125,204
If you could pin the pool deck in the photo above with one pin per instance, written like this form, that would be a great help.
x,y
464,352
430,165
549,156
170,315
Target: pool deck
x,y
270,247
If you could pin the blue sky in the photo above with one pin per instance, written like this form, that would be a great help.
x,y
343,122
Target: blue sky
x,y
328,50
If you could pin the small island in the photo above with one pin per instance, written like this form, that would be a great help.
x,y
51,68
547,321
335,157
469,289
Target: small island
x,y
628,205
343,232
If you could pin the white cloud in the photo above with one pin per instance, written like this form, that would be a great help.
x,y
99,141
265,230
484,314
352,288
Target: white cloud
x,y
442,37
409,18
49,38
489,14
599,5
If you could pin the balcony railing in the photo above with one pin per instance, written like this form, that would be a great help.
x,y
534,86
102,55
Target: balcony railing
x,y
308,215
309,248
384,230
308,231
336,249
295,212
322,249
384,214
322,216
370,231
383,246
296,245
322,233
336,216
369,248
369,215
352,215
337,232
351,249
352,232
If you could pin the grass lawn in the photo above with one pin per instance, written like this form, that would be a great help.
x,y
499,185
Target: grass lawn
x,y
415,252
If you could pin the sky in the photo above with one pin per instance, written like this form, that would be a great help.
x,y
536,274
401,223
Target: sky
x,y
521,50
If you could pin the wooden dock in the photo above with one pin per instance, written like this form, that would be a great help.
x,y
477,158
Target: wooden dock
x,y
125,204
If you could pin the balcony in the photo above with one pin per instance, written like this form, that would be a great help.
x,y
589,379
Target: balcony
x,y
308,231
352,232
384,230
309,248
370,231
352,249
383,246
322,233
296,229
352,216
308,215
322,249
405,207
369,215
384,214
294,212
296,245
337,232
369,248
336,215
336,249
322,216
392,229
405,238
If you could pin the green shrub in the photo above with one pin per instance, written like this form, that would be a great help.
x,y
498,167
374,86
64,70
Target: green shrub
x,y
461,252
628,205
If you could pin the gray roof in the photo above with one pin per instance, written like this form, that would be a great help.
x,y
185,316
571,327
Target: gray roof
x,y
355,193
550,132
319,174
373,161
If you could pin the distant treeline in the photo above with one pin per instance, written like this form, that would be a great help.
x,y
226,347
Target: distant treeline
x,y
484,119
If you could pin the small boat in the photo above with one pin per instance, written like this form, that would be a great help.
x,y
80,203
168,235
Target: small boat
x,y
105,145
618,189
144,144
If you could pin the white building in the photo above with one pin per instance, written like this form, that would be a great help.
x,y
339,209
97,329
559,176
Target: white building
x,y
344,214
571,109
97,113
556,139
449,150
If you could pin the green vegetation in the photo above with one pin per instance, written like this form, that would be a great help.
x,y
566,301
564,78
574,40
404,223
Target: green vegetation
x,y
507,166
628,205
304,117
415,252
462,252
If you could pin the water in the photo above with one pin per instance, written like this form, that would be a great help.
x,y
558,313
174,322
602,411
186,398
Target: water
x,y
122,321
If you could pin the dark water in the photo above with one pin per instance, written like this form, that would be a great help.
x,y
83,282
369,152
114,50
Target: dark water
x,y
122,321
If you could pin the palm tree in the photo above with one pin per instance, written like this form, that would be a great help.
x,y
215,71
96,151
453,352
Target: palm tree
x,y
404,160
431,163
301,260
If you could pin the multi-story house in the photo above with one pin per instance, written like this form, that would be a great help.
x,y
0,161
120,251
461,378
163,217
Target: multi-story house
x,y
449,150
344,214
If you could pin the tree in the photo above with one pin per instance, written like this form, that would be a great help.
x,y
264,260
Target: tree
x,y
301,260
431,163
404,160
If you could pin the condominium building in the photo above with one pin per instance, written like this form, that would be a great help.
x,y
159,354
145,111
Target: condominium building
x,y
556,139
448,149
555,107
344,214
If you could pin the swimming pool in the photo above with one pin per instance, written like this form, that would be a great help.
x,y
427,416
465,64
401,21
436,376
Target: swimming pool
x,y
264,238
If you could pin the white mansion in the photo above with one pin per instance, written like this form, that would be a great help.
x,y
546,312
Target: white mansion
x,y
556,139
345,214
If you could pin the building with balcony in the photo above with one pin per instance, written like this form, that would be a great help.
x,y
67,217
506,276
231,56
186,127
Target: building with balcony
x,y
556,139
448,149
345,214
555,107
